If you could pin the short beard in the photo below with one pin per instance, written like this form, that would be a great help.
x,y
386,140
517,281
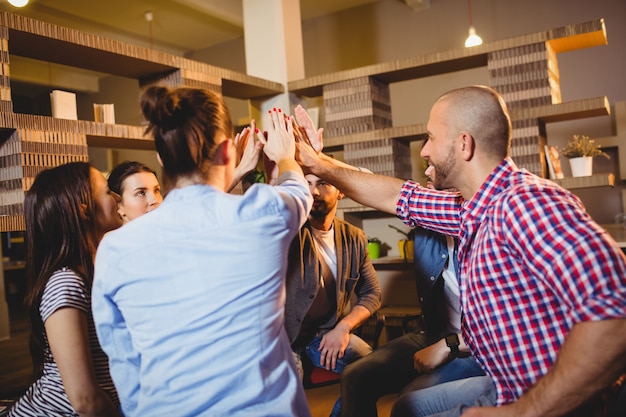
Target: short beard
x,y
442,173
321,212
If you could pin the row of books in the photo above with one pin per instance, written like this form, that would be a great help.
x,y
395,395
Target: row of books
x,y
355,125
525,146
383,156
39,125
354,111
377,92
363,96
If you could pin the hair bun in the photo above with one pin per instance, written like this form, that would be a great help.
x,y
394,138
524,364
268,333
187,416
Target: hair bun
x,y
161,106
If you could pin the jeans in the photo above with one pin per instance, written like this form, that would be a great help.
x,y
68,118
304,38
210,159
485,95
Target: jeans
x,y
449,399
389,370
357,348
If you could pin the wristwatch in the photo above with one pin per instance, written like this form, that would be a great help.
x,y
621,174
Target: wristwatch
x,y
452,340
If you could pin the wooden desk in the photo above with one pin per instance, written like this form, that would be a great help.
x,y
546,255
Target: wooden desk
x,y
617,232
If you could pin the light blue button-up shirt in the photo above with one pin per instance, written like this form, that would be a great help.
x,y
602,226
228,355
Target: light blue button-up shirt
x,y
188,302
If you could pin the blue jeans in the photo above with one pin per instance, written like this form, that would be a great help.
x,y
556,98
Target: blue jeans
x,y
357,348
389,370
450,399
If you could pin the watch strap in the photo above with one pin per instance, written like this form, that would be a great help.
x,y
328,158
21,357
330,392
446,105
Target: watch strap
x,y
452,341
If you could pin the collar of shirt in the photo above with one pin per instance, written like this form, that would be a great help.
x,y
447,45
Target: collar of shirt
x,y
495,183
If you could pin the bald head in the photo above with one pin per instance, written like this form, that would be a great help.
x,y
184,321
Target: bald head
x,y
480,111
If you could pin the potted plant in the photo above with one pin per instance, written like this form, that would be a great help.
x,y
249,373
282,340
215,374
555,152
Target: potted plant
x,y
580,150
373,247
405,246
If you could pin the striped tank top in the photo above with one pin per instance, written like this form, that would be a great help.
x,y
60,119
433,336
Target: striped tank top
x,y
47,397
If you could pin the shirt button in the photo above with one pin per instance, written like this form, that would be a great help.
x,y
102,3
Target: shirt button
x,y
311,296
443,256
432,278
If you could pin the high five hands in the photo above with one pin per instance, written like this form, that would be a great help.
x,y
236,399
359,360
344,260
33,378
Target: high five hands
x,y
286,135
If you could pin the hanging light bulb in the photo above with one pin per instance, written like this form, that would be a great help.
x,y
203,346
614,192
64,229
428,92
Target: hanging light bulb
x,y
18,3
473,39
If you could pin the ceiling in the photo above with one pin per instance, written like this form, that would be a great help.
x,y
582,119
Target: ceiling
x,y
177,26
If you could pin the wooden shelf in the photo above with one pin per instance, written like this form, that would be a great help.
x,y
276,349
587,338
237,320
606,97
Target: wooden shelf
x,y
44,41
30,143
571,110
593,181
566,38
617,232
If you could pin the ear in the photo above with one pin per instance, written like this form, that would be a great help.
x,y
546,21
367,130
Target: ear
x,y
340,195
224,152
467,146
120,211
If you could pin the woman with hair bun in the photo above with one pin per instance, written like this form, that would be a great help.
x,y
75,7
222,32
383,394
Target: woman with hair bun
x,y
189,300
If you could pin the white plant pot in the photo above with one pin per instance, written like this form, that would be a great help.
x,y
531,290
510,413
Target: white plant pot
x,y
582,166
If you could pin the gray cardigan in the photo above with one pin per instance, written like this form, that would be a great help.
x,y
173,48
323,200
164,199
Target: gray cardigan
x,y
355,275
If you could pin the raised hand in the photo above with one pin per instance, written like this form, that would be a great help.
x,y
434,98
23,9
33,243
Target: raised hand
x,y
248,152
306,123
280,142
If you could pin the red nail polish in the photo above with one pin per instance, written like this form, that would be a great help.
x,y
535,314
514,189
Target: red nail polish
x,y
256,130
280,110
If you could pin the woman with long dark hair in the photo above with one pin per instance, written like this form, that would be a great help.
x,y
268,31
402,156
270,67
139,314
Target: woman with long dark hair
x,y
67,209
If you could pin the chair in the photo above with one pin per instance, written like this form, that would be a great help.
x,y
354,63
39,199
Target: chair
x,y
398,320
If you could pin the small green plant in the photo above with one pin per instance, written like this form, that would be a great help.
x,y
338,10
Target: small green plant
x,y
374,240
581,145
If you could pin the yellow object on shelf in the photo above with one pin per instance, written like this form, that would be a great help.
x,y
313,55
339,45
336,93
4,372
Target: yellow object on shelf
x,y
406,248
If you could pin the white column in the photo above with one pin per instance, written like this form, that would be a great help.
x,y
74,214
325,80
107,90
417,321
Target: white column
x,y
273,44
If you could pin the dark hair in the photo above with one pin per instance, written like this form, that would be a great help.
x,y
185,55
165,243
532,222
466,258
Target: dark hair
x,y
481,111
124,170
188,124
58,209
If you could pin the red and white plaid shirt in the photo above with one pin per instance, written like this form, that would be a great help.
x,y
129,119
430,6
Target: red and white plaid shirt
x,y
532,264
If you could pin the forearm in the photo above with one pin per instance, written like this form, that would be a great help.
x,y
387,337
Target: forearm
x,y
289,164
592,357
376,191
357,316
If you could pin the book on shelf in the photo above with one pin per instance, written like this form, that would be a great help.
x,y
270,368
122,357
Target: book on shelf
x,y
63,105
104,113
554,162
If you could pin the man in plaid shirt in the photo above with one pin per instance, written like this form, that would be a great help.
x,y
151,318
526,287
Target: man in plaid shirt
x,y
543,287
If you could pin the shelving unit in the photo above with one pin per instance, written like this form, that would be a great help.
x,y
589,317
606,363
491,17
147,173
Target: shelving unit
x,y
523,69
30,143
